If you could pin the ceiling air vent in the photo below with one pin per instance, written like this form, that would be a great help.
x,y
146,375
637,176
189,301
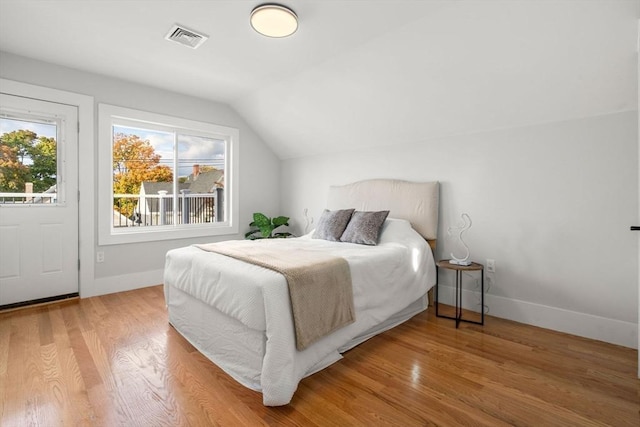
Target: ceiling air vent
x,y
184,36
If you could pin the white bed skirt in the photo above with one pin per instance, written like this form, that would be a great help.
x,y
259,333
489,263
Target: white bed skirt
x,y
239,350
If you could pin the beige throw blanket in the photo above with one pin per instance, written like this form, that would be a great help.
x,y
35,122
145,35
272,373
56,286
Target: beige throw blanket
x,y
319,284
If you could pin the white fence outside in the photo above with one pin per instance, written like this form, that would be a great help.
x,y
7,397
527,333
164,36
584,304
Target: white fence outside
x,y
28,198
157,209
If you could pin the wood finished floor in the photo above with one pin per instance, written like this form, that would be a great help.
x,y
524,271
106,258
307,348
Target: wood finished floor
x,y
115,361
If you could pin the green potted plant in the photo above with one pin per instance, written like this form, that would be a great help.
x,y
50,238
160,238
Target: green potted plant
x,y
263,227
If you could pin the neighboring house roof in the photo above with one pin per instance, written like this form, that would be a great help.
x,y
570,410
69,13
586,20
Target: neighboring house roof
x,y
206,182
153,187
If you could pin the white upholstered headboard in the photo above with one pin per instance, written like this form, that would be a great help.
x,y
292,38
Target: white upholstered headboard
x,y
417,202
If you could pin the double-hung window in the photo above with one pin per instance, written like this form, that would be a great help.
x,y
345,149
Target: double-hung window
x,y
164,177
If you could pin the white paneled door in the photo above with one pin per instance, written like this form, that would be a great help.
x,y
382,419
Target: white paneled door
x,y
38,200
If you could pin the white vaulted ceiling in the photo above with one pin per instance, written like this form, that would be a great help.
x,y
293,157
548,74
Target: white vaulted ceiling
x,y
357,73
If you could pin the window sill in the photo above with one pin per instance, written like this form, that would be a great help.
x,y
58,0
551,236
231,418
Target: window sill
x,y
145,234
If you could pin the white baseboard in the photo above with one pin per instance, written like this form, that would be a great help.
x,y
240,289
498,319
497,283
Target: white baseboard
x,y
584,325
124,282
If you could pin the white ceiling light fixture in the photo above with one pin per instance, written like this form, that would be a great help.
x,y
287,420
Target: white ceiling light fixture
x,y
274,20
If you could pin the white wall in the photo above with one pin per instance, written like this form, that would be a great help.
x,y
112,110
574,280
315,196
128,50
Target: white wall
x,y
550,203
136,265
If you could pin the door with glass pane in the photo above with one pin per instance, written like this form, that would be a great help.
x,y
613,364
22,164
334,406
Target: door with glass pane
x,y
38,200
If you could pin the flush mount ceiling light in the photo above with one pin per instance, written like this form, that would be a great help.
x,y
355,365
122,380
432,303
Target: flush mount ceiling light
x,y
274,20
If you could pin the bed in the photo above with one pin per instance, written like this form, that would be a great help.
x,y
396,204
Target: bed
x,y
239,315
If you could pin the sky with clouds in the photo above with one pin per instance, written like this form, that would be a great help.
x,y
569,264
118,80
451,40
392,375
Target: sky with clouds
x,y
191,149
41,129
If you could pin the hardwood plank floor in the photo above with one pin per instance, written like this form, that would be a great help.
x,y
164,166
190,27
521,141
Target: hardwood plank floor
x,y
115,361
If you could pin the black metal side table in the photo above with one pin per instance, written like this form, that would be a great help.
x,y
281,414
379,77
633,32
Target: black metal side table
x,y
459,269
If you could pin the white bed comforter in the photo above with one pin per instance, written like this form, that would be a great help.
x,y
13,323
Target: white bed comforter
x,y
386,278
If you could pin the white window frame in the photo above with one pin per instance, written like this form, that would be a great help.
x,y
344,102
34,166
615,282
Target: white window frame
x,y
108,115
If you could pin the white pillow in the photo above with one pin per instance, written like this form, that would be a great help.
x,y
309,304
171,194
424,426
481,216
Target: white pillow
x,y
395,230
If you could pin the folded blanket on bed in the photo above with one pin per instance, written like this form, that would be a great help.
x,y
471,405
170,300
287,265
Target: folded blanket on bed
x,y
319,284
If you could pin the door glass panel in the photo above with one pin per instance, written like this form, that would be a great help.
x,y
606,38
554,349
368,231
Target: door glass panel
x,y
28,161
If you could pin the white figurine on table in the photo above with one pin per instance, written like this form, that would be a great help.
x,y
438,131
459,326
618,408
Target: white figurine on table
x,y
465,225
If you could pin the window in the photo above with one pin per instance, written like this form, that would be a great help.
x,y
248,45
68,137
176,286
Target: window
x,y
28,160
164,177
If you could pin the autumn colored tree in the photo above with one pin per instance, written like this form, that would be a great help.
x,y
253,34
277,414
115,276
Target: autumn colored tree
x,y
13,174
25,157
22,140
135,161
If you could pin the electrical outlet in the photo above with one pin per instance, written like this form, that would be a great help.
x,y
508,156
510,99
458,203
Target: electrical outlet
x,y
491,265
99,256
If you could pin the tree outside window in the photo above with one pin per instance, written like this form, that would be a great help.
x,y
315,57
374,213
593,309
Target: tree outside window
x,y
28,160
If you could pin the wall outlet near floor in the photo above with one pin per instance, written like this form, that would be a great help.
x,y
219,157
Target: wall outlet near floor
x,y
100,256
491,265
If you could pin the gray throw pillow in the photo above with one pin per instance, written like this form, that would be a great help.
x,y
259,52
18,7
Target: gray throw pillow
x,y
364,228
331,224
